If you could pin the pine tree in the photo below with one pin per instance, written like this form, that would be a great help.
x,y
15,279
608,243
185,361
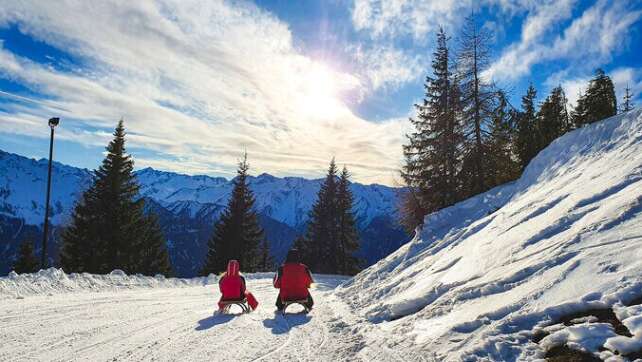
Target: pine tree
x,y
152,256
237,234
322,236
303,246
348,237
109,229
526,140
432,155
552,118
503,163
598,102
627,103
411,212
478,105
26,261
266,262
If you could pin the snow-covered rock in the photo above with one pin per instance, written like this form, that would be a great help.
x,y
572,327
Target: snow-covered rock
x,y
484,273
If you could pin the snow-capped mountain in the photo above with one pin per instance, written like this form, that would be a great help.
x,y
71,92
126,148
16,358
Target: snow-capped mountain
x,y
526,267
286,200
187,206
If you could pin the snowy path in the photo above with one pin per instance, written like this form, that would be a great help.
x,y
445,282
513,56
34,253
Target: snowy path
x,y
169,324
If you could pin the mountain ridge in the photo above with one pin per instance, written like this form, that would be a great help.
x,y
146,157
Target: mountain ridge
x,y
189,206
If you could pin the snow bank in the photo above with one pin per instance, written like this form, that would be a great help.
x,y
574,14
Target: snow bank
x,y
484,273
56,281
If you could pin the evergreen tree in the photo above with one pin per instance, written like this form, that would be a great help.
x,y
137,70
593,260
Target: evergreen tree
x,y
152,256
552,118
266,262
503,163
237,234
26,261
432,155
627,103
411,212
526,142
478,105
598,102
109,229
303,246
322,236
348,238
332,237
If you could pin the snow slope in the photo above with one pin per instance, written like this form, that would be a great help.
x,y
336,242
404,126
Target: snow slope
x,y
483,274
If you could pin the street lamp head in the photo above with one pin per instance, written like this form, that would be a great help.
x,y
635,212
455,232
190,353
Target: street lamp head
x,y
53,122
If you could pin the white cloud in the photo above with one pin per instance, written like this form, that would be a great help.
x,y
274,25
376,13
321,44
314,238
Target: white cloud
x,y
591,38
387,67
199,82
394,18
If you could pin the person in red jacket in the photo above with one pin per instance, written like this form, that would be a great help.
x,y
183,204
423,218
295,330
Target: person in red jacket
x,y
232,286
293,279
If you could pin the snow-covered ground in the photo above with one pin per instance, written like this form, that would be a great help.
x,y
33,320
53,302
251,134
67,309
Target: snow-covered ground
x,y
53,316
483,275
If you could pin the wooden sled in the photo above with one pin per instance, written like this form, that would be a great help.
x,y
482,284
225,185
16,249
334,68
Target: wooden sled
x,y
227,304
302,302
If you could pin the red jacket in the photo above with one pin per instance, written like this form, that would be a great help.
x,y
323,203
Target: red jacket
x,y
293,279
232,284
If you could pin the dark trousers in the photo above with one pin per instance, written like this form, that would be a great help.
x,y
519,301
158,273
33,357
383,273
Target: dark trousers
x,y
308,304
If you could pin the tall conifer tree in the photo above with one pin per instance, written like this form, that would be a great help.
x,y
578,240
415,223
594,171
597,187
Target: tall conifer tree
x,y
348,238
478,105
526,139
265,260
627,102
237,234
109,229
433,152
332,237
598,102
552,119
503,162
322,235
26,261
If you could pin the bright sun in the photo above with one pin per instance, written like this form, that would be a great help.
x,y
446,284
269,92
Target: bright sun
x,y
320,96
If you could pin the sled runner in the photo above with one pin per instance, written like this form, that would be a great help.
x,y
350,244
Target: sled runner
x,y
225,305
302,302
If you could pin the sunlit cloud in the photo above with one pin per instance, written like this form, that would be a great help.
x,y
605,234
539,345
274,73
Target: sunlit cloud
x,y
197,84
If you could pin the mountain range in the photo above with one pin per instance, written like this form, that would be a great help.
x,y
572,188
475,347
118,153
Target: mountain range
x,y
188,207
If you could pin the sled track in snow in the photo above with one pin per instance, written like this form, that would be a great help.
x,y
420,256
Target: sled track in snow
x,y
278,349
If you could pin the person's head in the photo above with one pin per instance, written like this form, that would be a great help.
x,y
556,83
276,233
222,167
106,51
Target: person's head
x,y
233,268
293,256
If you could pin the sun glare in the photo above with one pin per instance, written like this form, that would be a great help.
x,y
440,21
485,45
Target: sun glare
x,y
321,93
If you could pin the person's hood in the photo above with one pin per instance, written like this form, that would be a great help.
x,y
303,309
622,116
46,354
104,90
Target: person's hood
x,y
293,256
233,268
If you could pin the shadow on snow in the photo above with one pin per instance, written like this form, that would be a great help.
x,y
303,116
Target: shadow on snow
x,y
283,323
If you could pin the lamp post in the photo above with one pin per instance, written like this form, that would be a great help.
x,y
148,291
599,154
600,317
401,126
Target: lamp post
x,y
53,122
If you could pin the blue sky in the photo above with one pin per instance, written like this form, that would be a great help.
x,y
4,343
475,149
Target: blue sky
x,y
293,83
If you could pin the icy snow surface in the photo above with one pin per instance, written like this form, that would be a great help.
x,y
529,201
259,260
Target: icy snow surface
x,y
482,274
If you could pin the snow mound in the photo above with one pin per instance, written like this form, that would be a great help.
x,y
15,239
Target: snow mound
x,y
484,273
56,281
